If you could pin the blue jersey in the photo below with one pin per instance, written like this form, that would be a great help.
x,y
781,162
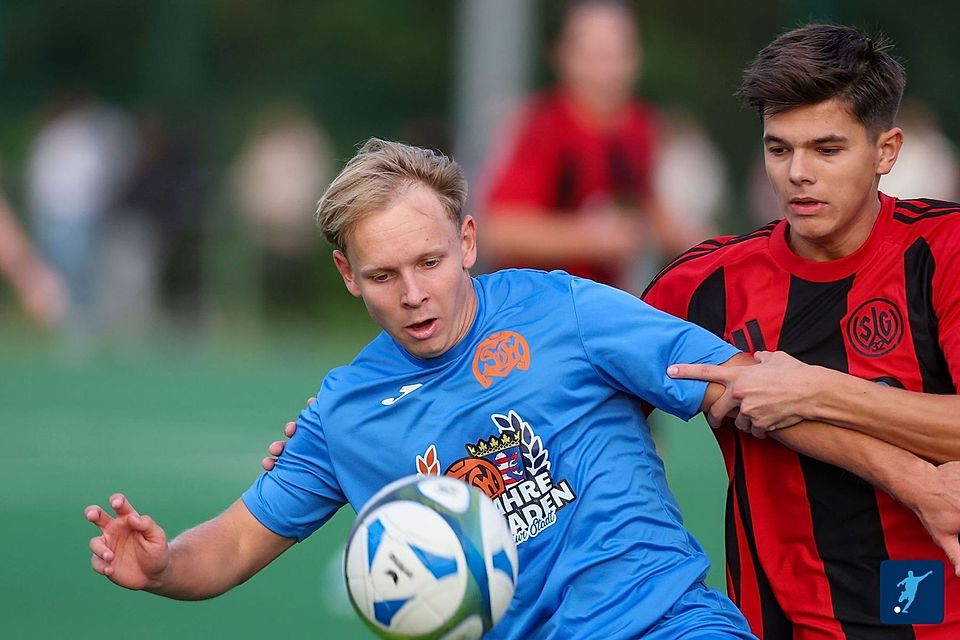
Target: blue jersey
x,y
540,406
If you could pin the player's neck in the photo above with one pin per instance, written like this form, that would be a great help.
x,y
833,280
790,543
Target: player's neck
x,y
594,111
841,242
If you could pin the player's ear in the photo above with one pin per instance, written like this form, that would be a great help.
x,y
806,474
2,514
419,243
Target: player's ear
x,y
468,242
343,266
888,148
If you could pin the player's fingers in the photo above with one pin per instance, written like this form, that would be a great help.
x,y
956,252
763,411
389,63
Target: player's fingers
x,y
761,356
140,523
268,464
100,566
289,429
786,422
100,549
743,422
708,372
716,416
121,506
150,530
276,448
725,407
97,516
311,400
758,433
951,546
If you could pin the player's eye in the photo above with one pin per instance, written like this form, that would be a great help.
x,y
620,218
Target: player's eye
x,y
430,263
776,151
830,151
380,277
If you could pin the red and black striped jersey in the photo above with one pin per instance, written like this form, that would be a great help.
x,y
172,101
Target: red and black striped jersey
x,y
805,539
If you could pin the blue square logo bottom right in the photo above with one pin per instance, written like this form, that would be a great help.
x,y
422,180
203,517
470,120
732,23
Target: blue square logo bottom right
x,y
911,592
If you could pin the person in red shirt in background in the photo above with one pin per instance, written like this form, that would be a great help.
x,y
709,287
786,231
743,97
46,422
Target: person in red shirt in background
x,y
575,189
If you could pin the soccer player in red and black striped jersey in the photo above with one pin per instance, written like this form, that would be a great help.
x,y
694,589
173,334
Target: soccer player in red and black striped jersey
x,y
856,291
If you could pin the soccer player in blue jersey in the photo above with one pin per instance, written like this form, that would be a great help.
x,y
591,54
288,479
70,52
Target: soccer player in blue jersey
x,y
528,385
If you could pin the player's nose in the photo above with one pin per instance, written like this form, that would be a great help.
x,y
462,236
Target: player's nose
x,y
414,293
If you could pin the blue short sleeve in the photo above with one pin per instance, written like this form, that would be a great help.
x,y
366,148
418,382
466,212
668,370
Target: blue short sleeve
x,y
631,344
301,492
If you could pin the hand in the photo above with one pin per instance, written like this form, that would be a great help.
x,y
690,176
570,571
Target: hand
x,y
939,510
277,447
44,297
771,395
131,549
617,237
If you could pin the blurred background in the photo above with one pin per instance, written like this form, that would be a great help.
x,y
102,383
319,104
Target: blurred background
x,y
166,305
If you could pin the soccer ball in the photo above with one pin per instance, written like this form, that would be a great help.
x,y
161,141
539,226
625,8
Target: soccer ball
x,y
430,558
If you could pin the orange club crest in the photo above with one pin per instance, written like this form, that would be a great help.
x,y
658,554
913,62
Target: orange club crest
x,y
498,355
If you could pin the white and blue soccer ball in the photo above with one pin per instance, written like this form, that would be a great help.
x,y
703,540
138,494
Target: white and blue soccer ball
x,y
430,558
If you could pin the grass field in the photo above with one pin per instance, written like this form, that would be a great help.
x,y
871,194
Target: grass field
x,y
181,428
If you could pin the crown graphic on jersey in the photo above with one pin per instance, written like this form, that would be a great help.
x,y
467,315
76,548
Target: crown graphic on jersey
x,y
494,444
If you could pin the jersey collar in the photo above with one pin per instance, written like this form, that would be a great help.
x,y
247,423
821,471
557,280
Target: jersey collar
x,y
833,269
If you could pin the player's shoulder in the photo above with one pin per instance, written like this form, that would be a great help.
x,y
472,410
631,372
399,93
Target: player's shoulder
x,y
524,285
714,252
377,360
926,215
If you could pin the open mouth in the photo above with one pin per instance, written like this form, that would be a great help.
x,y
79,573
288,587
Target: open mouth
x,y
422,329
417,326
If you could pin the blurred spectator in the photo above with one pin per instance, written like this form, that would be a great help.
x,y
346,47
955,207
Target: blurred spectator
x,y
928,165
280,174
78,164
38,287
576,188
151,252
691,172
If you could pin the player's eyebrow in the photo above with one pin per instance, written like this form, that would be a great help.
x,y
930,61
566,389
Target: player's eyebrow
x,y
828,139
832,138
436,252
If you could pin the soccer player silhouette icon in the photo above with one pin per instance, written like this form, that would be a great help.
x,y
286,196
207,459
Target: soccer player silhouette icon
x,y
909,592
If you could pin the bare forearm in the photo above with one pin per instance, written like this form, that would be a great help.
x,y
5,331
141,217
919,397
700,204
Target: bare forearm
x,y
539,236
16,256
219,554
923,423
900,473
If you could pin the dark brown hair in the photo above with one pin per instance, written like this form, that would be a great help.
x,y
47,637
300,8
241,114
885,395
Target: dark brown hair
x,y
822,61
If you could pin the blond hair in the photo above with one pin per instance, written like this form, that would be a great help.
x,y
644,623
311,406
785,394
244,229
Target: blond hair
x,y
381,172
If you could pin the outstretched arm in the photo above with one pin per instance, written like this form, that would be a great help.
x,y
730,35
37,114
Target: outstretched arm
x,y
782,391
205,561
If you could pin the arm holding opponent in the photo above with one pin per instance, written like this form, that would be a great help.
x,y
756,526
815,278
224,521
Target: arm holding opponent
x,y
783,391
930,491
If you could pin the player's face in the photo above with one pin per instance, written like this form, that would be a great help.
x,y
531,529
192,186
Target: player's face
x,y
410,265
825,168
